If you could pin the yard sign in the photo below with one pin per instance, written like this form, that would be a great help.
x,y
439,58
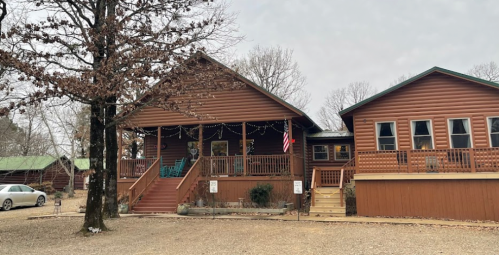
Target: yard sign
x,y
298,187
213,186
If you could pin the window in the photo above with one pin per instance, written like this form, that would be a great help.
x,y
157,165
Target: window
x,y
494,131
14,189
421,135
460,133
342,152
250,146
321,152
25,189
385,132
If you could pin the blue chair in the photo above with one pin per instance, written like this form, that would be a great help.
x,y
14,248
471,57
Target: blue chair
x,y
176,171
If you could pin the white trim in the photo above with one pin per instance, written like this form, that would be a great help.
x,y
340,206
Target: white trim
x,y
489,129
313,152
450,131
349,152
431,133
395,132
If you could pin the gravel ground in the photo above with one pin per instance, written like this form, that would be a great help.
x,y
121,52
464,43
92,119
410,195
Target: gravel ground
x,y
206,236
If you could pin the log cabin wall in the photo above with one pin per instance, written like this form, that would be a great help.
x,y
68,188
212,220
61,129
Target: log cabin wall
x,y
331,162
436,97
266,141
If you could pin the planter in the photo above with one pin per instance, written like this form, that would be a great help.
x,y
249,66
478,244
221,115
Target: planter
x,y
200,203
281,204
123,208
183,209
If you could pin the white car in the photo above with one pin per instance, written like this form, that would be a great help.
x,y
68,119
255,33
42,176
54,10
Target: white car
x,y
14,195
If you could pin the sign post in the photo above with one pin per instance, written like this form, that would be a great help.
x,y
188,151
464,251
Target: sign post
x,y
298,190
213,190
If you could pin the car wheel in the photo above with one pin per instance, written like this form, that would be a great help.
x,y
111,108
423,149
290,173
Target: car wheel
x,y
40,201
7,204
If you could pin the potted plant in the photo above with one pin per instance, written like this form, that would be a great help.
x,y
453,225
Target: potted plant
x,y
123,203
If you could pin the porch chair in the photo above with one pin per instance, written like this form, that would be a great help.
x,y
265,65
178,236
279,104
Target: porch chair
x,y
177,169
238,165
171,169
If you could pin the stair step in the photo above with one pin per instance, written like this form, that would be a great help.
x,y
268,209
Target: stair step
x,y
314,209
156,204
155,209
328,214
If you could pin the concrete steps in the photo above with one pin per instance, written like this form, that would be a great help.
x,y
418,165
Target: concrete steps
x,y
327,203
160,198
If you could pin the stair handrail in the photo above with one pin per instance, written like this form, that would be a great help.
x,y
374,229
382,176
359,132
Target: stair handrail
x,y
143,183
191,177
314,186
341,187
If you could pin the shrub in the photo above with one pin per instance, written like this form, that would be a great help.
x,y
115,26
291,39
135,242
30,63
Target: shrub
x,y
45,187
58,194
261,194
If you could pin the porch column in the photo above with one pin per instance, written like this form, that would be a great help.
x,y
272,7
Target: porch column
x,y
158,151
291,158
245,165
200,141
120,148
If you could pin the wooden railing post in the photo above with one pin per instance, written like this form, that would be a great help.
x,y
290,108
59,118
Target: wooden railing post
x,y
200,141
290,138
158,151
472,160
120,148
409,162
357,165
245,165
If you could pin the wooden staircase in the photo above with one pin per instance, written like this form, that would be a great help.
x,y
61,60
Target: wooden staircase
x,y
160,198
327,202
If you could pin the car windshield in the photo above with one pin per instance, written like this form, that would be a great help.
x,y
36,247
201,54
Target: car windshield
x,y
2,187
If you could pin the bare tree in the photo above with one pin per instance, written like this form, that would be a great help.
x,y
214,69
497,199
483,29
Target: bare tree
x,y
340,99
273,68
401,79
101,52
488,71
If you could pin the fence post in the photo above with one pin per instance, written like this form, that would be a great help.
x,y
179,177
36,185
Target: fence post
x,y
472,160
409,162
356,162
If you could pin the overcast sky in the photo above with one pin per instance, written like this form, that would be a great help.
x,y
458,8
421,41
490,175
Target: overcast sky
x,y
336,42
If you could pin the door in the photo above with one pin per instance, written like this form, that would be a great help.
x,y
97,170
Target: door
x,y
29,196
219,163
16,195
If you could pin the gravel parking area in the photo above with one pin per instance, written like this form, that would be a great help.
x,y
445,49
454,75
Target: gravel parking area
x,y
205,236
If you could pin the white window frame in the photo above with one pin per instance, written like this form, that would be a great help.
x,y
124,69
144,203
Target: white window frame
x,y
377,133
327,152
431,134
450,131
349,152
489,130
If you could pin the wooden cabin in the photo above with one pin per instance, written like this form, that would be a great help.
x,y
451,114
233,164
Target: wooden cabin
x,y
240,147
428,147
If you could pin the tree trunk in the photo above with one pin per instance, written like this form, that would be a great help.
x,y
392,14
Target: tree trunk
x,y
111,202
71,192
93,214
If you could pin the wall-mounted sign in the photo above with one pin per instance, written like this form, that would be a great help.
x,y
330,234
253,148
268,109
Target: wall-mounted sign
x,y
213,186
297,187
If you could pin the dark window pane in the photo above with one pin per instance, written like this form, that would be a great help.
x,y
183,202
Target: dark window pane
x,y
460,141
423,143
385,129
494,139
14,189
458,127
25,189
494,127
319,156
421,128
386,143
320,148
320,152
342,152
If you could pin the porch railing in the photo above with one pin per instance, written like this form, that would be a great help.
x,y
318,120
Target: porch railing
x,y
466,160
328,177
187,186
257,165
143,183
134,168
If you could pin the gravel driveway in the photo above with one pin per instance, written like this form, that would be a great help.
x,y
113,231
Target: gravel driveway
x,y
204,236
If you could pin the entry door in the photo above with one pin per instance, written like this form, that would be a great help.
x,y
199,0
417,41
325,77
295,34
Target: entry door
x,y
219,165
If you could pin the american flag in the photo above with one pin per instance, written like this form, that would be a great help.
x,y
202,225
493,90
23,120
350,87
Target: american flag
x,y
285,141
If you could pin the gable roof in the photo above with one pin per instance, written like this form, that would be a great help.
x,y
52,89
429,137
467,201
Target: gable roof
x,y
415,78
26,163
82,163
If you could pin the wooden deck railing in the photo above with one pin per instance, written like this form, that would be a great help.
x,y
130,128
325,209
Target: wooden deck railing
x,y
187,186
134,168
143,183
467,160
257,165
